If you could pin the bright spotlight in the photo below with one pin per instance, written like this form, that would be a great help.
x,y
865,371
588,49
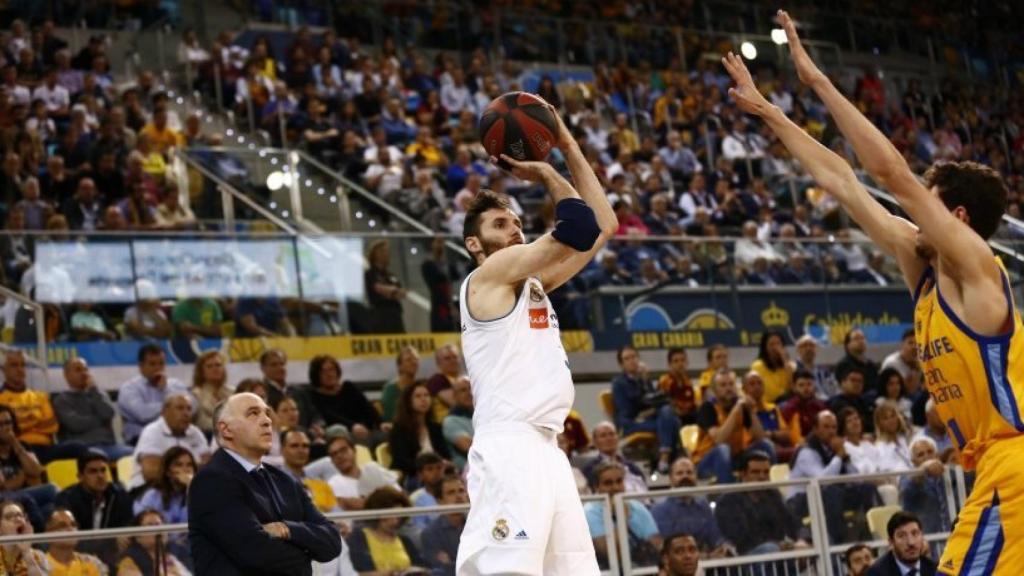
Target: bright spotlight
x,y
779,36
275,180
748,50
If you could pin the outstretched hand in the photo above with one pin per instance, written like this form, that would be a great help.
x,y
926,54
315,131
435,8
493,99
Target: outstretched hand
x,y
806,69
745,93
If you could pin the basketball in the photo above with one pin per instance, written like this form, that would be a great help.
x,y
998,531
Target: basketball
x,y
519,125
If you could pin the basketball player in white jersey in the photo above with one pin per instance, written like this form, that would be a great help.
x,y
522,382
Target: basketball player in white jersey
x,y
525,516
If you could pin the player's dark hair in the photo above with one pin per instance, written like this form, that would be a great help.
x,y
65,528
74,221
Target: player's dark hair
x,y
899,520
979,189
673,351
762,350
848,555
484,200
621,351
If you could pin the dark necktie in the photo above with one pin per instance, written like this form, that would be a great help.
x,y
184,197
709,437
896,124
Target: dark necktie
x,y
913,572
264,481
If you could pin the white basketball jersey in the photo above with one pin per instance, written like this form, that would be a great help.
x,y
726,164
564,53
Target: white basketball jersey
x,y
516,363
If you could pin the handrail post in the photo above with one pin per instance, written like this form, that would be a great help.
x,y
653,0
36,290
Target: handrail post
x,y
227,208
819,528
294,192
609,537
622,529
39,315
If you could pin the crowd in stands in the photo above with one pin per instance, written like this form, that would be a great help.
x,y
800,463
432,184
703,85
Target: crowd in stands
x,y
410,448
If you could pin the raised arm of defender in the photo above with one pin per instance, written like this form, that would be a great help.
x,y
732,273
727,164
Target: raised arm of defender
x,y
894,235
965,253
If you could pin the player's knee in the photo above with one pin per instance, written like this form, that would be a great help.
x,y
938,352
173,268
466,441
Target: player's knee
x,y
575,224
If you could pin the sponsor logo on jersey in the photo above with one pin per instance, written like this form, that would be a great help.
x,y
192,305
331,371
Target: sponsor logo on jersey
x,y
539,318
522,535
500,530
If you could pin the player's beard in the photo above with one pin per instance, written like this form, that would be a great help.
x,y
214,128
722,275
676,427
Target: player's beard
x,y
491,246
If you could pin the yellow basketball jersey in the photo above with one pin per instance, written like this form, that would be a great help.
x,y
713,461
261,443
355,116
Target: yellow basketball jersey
x,y
977,381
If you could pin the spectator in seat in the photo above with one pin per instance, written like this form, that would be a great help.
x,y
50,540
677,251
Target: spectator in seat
x,y
806,359
440,539
718,359
905,359
19,558
640,407
86,413
172,215
89,325
803,406
350,482
61,555
728,429
37,423
773,365
196,318
141,399
458,424
378,547
863,453
851,393
149,554
925,495
935,429
429,469
408,365
689,514
209,387
295,447
856,346
384,291
644,541
414,432
858,559
173,428
680,555
337,401
676,384
908,552
84,209
97,503
449,369
892,439
169,494
162,136
758,521
20,471
606,441
891,386
261,317
145,320
750,248
274,367
783,434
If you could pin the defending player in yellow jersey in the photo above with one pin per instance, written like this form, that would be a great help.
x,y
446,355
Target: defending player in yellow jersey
x,y
967,328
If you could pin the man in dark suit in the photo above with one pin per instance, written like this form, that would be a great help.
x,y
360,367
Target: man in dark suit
x,y
249,518
906,558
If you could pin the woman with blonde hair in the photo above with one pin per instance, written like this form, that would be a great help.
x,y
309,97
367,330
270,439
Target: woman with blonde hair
x,y
892,440
209,386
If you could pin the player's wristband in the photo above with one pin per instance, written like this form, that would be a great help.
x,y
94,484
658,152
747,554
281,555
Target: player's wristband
x,y
575,224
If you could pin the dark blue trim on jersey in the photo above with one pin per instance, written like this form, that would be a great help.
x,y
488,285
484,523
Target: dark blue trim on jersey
x,y
957,434
987,543
503,316
995,357
971,333
925,275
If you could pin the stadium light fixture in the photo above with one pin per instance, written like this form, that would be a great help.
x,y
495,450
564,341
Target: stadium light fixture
x,y
748,50
779,36
277,180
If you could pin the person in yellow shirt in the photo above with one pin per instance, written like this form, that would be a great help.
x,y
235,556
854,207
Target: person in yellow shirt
x,y
378,546
162,136
62,557
37,423
773,365
785,436
426,146
718,359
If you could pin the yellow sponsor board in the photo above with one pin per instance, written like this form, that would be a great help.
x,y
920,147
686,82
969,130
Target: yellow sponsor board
x,y
369,347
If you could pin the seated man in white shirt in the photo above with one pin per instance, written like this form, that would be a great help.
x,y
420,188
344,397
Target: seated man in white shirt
x,y
173,428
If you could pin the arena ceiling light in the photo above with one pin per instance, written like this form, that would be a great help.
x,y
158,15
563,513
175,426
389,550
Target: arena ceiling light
x,y
779,36
748,50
